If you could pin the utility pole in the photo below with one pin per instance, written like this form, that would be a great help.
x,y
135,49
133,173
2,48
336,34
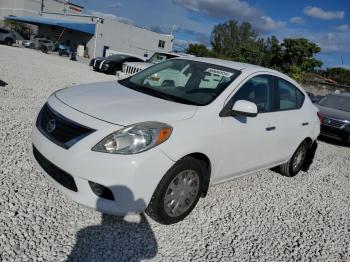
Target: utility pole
x,y
42,6
98,20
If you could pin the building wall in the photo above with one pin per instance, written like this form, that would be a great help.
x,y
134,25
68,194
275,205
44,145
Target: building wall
x,y
121,37
31,7
128,38
112,33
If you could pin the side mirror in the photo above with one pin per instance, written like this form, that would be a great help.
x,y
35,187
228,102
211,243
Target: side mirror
x,y
240,108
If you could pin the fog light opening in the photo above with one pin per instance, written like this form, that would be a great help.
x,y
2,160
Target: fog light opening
x,y
101,191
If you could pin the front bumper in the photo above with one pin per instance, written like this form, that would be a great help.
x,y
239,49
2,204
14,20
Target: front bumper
x,y
131,178
339,133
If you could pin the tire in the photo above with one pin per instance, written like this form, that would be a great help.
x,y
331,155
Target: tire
x,y
296,163
8,41
161,212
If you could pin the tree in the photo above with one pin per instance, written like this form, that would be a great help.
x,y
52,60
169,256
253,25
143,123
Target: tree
x,y
197,50
240,42
236,41
300,52
341,75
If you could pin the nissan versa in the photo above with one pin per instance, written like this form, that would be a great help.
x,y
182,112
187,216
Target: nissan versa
x,y
154,142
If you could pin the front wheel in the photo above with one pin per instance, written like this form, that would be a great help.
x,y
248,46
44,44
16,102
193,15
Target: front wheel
x,y
177,193
295,164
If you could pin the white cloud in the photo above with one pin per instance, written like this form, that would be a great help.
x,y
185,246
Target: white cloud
x,y
297,20
232,9
121,19
180,44
318,12
330,42
343,28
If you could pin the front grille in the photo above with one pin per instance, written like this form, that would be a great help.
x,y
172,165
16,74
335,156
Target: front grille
x,y
60,130
97,63
55,172
130,70
333,122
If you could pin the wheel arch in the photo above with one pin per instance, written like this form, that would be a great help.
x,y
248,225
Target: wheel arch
x,y
205,161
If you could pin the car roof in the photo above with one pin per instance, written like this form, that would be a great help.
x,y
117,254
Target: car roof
x,y
227,63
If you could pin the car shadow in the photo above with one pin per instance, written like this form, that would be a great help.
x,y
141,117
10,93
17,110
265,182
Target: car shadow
x,y
333,141
116,238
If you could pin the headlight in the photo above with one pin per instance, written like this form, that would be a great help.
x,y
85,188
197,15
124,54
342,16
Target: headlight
x,y
135,138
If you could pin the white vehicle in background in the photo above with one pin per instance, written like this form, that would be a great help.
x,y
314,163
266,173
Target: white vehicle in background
x,y
157,140
131,68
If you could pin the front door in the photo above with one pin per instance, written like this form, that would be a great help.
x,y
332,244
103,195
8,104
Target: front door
x,y
250,143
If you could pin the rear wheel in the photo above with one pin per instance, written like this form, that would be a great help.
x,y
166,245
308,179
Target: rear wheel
x,y
177,193
295,164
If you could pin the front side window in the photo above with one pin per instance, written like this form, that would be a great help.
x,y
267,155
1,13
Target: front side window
x,y
258,90
183,81
290,97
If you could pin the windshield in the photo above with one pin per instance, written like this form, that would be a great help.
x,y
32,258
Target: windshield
x,y
183,81
337,102
159,57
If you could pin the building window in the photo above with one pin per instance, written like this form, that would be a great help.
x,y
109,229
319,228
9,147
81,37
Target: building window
x,y
161,43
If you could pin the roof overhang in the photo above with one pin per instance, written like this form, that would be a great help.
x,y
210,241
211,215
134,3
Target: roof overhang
x,y
88,28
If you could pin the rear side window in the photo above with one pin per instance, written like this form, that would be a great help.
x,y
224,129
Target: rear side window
x,y
4,31
259,90
289,96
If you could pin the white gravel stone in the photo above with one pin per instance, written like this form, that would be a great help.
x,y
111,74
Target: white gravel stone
x,y
262,217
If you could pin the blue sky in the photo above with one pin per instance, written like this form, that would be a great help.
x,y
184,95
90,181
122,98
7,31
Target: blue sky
x,y
325,22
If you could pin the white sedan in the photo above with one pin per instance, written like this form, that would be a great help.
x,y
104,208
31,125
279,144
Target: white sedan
x,y
154,142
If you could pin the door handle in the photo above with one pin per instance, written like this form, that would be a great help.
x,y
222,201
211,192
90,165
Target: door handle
x,y
305,123
270,128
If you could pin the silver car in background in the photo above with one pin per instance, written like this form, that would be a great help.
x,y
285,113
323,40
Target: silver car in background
x,y
37,43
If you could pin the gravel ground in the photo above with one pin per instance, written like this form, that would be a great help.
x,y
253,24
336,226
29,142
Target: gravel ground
x,y
262,217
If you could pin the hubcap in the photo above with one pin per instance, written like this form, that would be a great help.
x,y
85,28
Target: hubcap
x,y
181,193
299,158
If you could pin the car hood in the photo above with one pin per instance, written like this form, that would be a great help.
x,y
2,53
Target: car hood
x,y
117,104
335,113
107,59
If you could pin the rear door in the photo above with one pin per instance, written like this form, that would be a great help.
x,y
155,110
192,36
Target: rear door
x,y
293,123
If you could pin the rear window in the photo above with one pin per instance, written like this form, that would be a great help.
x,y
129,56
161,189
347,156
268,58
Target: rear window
x,y
337,102
289,96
